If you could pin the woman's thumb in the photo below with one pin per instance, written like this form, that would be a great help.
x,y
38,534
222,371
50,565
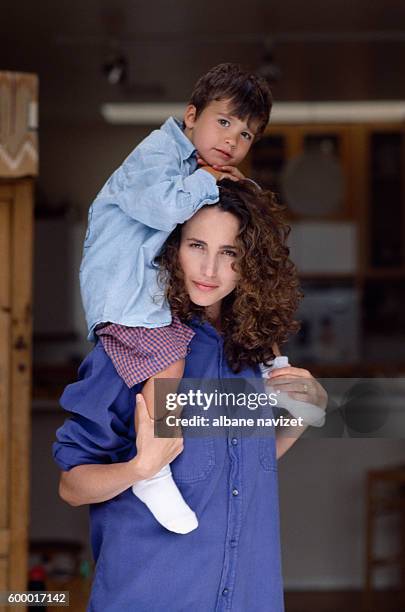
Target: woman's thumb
x,y
141,408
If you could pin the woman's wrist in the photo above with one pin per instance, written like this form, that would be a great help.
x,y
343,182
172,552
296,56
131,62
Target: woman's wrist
x,y
94,483
138,470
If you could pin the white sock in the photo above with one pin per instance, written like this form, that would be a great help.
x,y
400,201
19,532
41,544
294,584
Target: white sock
x,y
310,414
163,498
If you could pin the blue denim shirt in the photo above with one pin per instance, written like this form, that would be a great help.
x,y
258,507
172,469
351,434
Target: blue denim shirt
x,y
232,560
157,187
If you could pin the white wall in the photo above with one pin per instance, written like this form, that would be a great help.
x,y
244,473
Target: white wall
x,y
322,504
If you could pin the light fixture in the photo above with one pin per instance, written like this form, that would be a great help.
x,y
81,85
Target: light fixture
x,y
287,113
115,69
269,69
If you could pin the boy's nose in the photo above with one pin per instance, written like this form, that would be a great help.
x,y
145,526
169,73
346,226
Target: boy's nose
x,y
231,140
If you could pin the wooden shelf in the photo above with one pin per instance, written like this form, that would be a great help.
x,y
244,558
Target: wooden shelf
x,y
385,273
359,369
328,277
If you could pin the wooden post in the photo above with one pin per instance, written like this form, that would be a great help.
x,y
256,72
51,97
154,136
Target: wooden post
x,y
16,223
20,394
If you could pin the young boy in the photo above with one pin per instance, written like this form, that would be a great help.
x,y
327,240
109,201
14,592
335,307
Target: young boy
x,y
164,181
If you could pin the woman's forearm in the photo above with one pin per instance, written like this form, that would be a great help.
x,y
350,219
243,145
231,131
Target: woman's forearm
x,y
93,483
286,439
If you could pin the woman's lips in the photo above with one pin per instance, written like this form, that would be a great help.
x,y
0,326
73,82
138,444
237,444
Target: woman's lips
x,y
203,287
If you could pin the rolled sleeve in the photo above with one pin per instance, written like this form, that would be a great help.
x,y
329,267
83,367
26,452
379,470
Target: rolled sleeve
x,y
174,201
101,426
202,187
151,186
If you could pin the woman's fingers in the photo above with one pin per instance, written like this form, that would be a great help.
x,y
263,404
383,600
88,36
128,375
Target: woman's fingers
x,y
304,393
153,452
143,414
298,384
305,385
289,372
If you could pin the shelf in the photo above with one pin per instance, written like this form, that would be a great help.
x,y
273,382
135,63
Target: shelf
x,y
385,273
355,370
388,561
327,277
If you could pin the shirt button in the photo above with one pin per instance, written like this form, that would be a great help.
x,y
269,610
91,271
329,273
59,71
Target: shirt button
x,y
234,441
233,543
225,592
235,492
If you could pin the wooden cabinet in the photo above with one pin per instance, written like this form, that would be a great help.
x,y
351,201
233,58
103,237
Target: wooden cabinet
x,y
372,165
16,222
344,188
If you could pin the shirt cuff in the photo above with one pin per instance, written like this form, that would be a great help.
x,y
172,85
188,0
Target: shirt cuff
x,y
202,187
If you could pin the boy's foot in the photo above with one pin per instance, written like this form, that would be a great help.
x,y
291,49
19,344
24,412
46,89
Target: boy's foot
x,y
165,501
309,413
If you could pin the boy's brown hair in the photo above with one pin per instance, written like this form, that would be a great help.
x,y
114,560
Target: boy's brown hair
x,y
249,94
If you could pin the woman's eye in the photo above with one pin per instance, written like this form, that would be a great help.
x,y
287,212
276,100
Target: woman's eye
x,y
196,245
230,253
224,122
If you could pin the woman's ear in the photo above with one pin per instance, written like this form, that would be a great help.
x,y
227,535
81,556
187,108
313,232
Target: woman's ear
x,y
190,116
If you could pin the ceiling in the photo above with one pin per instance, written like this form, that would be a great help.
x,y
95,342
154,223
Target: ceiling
x,y
325,49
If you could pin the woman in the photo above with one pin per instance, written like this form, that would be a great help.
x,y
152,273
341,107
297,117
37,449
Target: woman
x,y
226,272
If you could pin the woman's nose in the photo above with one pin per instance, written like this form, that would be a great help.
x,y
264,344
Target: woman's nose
x,y
209,266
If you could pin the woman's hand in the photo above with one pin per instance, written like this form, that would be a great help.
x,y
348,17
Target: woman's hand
x,y
299,384
152,453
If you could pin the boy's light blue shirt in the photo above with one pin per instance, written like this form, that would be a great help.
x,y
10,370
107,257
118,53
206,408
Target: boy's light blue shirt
x,y
156,187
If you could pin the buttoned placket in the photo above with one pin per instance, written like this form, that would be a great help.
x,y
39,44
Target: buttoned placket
x,y
228,577
190,163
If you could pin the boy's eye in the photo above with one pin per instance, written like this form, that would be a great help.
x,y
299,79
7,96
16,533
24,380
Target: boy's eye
x,y
246,136
224,122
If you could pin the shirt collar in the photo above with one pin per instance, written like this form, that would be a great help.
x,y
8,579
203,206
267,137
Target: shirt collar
x,y
209,330
174,128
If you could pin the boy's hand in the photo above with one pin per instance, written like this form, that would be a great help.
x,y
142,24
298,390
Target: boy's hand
x,y
235,173
219,174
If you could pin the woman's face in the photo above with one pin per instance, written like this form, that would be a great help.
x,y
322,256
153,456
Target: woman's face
x,y
206,254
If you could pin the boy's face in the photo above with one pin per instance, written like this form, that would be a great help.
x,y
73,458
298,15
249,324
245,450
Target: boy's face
x,y
220,138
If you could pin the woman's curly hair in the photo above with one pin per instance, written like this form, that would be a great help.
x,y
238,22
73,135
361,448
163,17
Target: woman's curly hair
x,y
260,310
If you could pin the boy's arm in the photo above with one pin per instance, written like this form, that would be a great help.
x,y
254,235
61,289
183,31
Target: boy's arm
x,y
151,188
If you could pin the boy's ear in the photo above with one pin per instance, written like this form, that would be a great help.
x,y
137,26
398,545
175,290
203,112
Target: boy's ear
x,y
190,116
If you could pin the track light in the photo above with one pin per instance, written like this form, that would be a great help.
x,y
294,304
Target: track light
x,y
269,69
115,69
